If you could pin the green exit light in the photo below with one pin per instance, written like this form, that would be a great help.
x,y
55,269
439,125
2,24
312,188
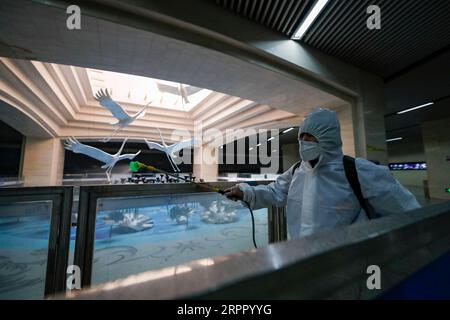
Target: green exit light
x,y
447,190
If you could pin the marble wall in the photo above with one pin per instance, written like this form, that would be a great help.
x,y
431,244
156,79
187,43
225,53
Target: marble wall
x,y
437,151
408,150
43,162
206,161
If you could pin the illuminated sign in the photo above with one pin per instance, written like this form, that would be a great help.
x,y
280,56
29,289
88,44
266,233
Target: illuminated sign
x,y
408,166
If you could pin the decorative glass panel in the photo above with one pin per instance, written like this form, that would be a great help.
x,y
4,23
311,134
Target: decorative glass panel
x,y
24,236
134,235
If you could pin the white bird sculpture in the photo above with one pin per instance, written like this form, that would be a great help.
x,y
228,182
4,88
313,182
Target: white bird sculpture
x,y
109,160
124,120
169,150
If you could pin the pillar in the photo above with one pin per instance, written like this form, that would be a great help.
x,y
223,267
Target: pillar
x,y
206,163
43,162
436,142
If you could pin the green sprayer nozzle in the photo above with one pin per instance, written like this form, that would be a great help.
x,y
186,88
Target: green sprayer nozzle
x,y
135,166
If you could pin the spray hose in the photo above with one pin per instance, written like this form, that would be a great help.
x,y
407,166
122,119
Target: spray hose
x,y
136,166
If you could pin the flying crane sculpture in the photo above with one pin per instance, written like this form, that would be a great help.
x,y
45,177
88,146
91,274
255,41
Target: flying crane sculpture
x,y
109,160
123,118
170,150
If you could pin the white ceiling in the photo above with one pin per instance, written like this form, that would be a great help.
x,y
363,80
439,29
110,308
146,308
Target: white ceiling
x,y
59,101
34,31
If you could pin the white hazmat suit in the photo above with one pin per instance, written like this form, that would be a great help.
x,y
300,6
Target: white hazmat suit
x,y
321,197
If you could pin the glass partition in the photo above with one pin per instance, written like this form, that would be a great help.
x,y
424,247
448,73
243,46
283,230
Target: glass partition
x,y
137,234
34,236
24,238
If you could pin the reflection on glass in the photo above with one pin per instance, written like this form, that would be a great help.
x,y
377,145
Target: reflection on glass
x,y
24,235
134,235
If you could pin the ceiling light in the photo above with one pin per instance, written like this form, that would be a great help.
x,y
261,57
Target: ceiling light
x,y
394,139
415,108
270,139
274,150
287,130
258,145
312,15
250,149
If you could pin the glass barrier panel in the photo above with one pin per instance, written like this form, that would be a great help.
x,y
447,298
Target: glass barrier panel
x,y
137,234
24,236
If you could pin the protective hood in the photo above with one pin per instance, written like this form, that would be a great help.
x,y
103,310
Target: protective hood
x,y
323,124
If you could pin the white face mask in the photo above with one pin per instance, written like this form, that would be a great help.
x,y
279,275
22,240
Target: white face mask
x,y
309,150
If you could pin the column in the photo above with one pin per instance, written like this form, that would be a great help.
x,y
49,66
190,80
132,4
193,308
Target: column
x,y
370,132
206,164
43,162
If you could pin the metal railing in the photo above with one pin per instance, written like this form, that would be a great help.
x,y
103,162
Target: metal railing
x,y
8,182
66,200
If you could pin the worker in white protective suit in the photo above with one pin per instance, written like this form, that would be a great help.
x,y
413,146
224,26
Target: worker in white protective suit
x,y
318,195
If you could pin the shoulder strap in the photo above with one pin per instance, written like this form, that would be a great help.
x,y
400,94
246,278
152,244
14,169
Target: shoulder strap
x,y
352,177
296,166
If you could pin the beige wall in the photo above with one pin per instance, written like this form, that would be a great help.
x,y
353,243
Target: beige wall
x,y
290,155
344,114
203,166
411,178
437,148
43,162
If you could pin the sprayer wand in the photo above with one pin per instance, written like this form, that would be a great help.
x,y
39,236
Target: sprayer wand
x,y
136,166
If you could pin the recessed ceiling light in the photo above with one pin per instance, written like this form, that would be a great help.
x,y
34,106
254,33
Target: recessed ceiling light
x,y
258,145
312,15
415,108
270,139
394,139
287,130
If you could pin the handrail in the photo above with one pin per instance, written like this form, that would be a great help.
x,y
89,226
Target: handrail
x,y
7,182
323,265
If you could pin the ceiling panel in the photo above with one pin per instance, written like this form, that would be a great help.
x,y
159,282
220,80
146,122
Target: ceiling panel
x,y
411,30
280,15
